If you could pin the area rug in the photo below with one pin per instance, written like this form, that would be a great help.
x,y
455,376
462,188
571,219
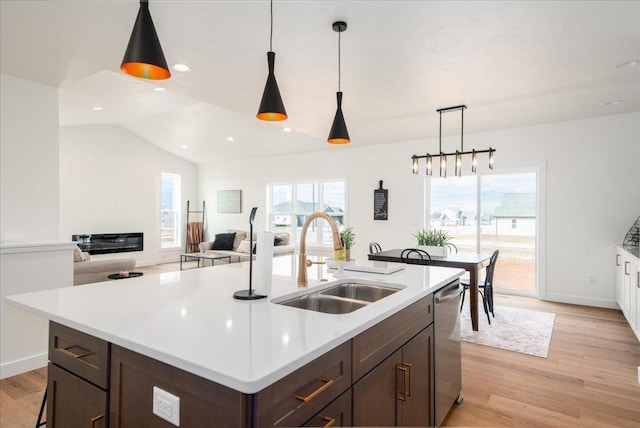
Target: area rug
x,y
513,329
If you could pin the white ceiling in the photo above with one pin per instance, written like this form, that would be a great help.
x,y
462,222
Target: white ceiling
x,y
513,64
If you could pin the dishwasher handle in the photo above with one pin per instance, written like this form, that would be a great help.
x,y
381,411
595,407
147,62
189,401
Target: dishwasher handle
x,y
448,294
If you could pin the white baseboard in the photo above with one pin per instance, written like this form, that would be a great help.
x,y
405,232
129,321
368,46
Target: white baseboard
x,y
24,365
579,300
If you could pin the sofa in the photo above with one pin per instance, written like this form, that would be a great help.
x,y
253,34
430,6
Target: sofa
x,y
86,271
237,245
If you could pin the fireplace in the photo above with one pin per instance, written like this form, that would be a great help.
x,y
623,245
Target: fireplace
x,y
106,243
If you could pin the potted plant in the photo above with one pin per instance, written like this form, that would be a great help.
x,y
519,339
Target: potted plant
x,y
434,241
348,238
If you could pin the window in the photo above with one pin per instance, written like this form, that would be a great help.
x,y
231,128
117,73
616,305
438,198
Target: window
x,y
291,204
170,210
485,212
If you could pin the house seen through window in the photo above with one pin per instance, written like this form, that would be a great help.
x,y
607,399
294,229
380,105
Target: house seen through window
x,y
290,204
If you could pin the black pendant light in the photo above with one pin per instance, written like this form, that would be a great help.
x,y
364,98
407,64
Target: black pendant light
x,y
271,107
144,57
339,133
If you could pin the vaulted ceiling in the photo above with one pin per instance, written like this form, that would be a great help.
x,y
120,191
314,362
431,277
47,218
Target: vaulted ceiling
x,y
514,64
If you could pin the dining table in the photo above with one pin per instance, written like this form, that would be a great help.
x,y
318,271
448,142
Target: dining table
x,y
471,262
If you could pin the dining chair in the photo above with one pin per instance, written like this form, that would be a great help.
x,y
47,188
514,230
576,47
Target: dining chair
x,y
374,248
404,256
485,289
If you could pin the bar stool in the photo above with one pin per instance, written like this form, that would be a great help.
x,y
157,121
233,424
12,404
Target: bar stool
x,y
40,422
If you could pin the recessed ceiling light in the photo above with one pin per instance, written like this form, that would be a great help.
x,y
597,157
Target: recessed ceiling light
x,y
159,89
286,129
626,64
612,102
181,67
230,139
97,108
184,146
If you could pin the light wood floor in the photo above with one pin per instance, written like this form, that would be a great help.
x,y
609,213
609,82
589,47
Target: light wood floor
x,y
590,378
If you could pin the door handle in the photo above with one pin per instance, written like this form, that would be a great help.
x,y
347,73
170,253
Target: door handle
x,y
95,419
326,384
408,366
402,395
617,259
626,268
329,421
66,350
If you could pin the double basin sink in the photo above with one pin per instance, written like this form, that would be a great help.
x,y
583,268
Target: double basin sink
x,y
341,298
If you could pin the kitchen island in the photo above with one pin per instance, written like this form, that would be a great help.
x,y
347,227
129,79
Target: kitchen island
x,y
200,343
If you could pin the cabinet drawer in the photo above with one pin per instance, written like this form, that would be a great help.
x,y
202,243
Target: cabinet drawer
x,y
73,402
372,346
293,400
80,353
336,414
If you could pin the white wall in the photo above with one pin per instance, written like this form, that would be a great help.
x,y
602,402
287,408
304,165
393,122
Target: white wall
x,y
110,183
592,193
28,156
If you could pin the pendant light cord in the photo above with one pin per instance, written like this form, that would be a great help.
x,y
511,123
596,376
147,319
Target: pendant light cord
x,y
271,30
339,33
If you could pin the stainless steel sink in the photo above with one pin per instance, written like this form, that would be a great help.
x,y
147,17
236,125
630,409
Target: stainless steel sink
x,y
366,292
327,304
341,298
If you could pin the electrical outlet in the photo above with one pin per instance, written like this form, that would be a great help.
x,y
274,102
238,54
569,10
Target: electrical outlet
x,y
166,406
591,279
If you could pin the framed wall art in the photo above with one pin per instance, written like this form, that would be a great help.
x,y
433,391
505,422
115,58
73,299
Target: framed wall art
x,y
229,201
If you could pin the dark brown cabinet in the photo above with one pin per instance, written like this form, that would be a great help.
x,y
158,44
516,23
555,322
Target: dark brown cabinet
x,y
78,379
202,403
416,389
382,377
375,395
398,392
336,414
299,396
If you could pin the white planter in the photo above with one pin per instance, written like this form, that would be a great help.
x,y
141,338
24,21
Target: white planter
x,y
434,251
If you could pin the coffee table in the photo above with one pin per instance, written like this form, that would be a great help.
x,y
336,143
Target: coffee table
x,y
203,256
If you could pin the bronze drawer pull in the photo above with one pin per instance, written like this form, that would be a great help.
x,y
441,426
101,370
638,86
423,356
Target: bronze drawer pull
x,y
65,350
402,396
407,365
626,265
617,259
95,419
330,421
327,383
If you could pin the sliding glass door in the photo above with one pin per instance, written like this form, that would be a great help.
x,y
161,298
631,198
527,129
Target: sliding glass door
x,y
486,212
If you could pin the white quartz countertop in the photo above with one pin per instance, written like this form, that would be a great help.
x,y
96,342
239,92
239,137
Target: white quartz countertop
x,y
189,319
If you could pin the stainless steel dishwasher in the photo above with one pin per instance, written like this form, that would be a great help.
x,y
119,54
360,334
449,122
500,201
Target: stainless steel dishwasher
x,y
447,358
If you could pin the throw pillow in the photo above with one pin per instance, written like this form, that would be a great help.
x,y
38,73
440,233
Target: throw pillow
x,y
245,247
223,241
240,235
284,238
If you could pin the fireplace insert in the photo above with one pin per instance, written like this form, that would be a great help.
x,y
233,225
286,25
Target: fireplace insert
x,y
106,243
